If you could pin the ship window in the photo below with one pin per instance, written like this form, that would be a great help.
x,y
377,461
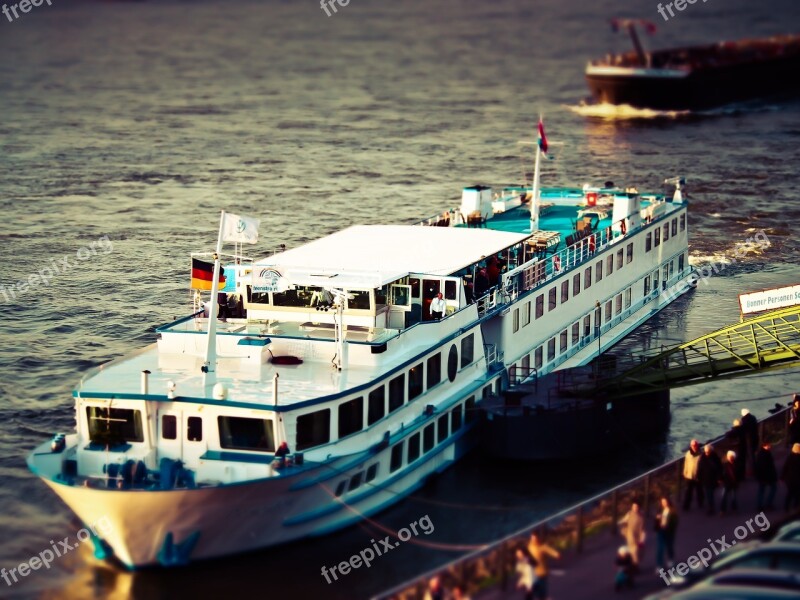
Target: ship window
x,y
400,295
443,426
648,242
113,426
657,233
609,264
516,320
428,438
680,264
551,349
587,325
487,391
452,363
587,278
671,268
655,279
647,285
618,304
355,482
415,287
377,405
256,297
469,410
551,299
397,392
576,332
620,259
598,271
340,487
169,427
359,300
628,294
683,221
539,305
351,417
372,473
397,457
629,250
413,448
526,314
450,290
665,278
194,429
608,311
564,291
415,381
674,227
562,346
576,285
313,429
434,370
241,433
666,232
467,350
456,418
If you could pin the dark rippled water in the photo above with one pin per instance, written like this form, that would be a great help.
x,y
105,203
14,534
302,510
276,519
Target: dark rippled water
x,y
140,121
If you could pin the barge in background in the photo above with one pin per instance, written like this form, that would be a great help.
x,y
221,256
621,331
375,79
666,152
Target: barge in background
x,y
696,77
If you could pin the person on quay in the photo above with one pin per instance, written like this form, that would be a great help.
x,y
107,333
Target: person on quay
x,y
709,473
625,569
524,569
794,421
691,462
750,430
435,590
767,476
541,553
632,528
730,480
738,436
438,307
666,527
791,477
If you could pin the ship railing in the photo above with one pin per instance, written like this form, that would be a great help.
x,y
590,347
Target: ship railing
x,y
494,359
493,566
518,375
487,302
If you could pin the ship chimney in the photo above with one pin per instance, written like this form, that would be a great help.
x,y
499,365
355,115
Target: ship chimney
x,y
145,382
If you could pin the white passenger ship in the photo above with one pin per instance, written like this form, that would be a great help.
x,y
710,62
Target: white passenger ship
x,y
370,392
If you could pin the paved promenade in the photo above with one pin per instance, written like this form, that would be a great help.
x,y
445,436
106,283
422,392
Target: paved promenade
x,y
590,574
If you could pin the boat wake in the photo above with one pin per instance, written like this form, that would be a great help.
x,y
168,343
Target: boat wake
x,y
623,111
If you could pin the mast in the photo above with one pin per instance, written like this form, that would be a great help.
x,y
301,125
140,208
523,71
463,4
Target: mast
x,y
210,364
535,191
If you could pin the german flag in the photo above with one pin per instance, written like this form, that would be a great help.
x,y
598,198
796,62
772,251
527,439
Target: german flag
x,y
203,275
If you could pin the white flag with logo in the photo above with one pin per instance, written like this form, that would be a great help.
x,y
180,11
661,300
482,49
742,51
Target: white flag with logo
x,y
241,230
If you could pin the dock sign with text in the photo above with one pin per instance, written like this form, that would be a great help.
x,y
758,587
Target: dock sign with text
x,y
769,299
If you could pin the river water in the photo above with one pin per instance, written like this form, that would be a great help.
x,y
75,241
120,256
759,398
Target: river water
x,y
130,125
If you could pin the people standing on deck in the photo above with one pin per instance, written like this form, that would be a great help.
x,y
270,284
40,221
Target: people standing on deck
x,y
794,421
730,481
666,527
524,569
632,528
438,307
750,430
767,476
540,553
791,477
709,473
691,462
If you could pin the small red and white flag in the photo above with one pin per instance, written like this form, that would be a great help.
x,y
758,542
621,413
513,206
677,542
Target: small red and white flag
x,y
542,138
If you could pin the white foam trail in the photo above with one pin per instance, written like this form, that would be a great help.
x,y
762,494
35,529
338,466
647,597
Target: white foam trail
x,y
623,111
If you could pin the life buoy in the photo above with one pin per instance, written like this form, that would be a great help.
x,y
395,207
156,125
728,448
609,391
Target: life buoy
x,y
592,246
591,198
623,227
556,263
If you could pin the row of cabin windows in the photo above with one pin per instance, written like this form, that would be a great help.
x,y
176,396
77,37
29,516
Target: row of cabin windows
x,y
653,238
622,257
667,272
418,444
313,429
572,335
235,433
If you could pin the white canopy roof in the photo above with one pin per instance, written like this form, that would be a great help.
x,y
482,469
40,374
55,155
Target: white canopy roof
x,y
369,256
